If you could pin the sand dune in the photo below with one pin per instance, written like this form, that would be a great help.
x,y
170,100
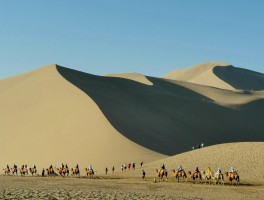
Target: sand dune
x,y
55,114
227,98
45,119
170,118
246,157
132,76
220,75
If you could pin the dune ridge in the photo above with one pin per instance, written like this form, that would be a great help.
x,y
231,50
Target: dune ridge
x,y
132,76
220,75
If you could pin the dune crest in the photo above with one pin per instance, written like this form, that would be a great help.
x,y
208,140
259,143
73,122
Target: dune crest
x,y
219,75
132,76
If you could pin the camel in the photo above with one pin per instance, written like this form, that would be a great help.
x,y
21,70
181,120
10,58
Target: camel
x,y
160,173
50,172
6,171
179,174
13,170
233,176
219,177
208,177
63,171
33,171
66,171
195,175
89,173
23,171
75,172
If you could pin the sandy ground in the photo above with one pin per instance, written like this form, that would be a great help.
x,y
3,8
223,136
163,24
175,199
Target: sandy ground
x,y
119,188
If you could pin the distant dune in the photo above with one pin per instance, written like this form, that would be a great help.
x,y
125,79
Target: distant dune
x,y
247,158
55,114
132,76
220,75
168,117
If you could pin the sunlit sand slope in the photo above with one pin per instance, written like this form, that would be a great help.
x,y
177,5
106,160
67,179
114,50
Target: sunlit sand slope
x,y
220,75
247,158
46,120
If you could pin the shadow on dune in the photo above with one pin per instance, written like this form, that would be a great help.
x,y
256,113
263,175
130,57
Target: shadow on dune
x,y
239,78
166,117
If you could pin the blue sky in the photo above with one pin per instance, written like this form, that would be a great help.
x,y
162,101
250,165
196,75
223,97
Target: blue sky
x,y
146,36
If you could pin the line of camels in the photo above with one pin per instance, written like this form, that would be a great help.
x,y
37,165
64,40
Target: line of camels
x,y
52,172
198,177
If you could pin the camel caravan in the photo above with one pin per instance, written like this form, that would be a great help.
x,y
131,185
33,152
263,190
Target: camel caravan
x,y
207,177
51,171
180,175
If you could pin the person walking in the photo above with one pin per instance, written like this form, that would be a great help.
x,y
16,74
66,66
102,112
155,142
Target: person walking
x,y
106,170
43,172
143,175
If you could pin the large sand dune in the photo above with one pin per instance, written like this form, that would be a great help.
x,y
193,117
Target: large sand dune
x,y
220,75
55,114
45,119
168,117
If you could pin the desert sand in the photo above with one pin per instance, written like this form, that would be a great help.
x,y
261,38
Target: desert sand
x,y
119,188
56,115
247,158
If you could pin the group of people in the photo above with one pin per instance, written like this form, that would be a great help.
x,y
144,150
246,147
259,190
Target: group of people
x,y
208,171
196,170
25,166
128,166
198,146
113,170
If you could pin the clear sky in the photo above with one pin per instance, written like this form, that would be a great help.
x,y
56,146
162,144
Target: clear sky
x,y
151,37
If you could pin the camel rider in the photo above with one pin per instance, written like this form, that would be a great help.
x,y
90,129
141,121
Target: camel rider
x,y
62,165
50,167
7,166
90,167
66,166
162,166
179,168
218,171
77,166
209,171
34,166
15,167
196,170
232,170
